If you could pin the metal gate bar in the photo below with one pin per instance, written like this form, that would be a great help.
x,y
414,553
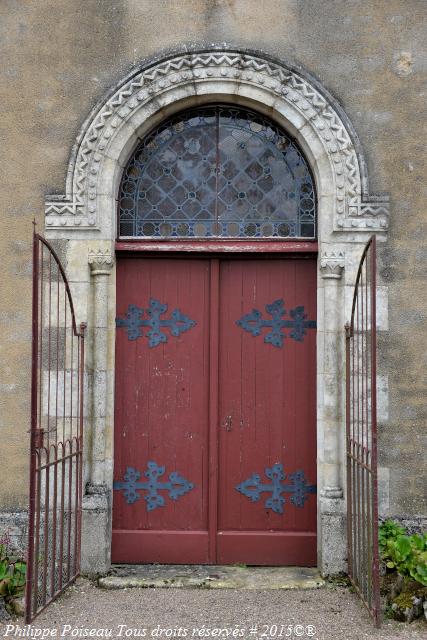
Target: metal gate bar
x,y
56,434
361,436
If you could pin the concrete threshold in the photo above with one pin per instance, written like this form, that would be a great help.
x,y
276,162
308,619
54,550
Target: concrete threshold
x,y
211,577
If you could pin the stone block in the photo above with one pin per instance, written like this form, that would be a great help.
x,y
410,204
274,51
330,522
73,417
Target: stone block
x,y
14,526
383,491
333,538
96,531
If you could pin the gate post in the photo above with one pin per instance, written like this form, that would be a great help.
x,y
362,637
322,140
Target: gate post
x,y
332,547
96,516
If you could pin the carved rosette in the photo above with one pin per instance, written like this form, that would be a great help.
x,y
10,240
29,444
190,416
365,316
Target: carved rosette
x,y
100,262
78,208
332,265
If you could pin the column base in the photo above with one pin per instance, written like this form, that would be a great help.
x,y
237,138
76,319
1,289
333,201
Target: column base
x,y
332,535
332,492
96,531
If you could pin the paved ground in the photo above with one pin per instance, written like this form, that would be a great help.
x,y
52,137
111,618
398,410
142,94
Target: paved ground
x,y
327,613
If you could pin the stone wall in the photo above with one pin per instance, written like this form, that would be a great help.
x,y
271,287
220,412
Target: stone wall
x,y
60,58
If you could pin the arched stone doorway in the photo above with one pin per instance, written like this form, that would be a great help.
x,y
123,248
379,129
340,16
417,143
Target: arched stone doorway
x,y
85,219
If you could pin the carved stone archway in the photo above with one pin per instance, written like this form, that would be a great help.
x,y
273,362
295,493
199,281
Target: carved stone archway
x,y
84,219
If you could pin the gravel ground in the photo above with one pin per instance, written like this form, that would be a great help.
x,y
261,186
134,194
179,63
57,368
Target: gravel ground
x,y
323,614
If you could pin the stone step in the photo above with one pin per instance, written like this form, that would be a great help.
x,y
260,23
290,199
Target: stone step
x,y
211,577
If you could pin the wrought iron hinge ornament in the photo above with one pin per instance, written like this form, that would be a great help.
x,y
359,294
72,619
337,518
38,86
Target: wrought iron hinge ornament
x,y
298,487
133,321
254,322
176,487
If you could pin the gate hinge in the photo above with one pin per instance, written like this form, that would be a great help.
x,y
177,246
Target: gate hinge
x,y
38,438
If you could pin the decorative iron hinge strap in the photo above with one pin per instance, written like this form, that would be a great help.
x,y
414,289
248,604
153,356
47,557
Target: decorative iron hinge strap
x,y
298,487
133,321
254,322
176,487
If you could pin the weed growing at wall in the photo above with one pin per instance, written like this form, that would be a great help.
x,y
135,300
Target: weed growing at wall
x,y
406,554
404,571
12,570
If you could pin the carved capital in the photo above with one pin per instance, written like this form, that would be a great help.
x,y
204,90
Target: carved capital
x,y
332,265
100,262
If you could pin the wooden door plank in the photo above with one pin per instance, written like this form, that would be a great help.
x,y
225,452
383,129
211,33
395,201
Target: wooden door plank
x,y
268,392
162,395
213,407
270,548
165,547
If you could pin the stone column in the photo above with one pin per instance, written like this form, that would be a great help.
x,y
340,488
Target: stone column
x,y
332,522
101,263
331,269
96,515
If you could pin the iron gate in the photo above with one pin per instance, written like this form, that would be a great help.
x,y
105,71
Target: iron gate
x,y
56,434
361,436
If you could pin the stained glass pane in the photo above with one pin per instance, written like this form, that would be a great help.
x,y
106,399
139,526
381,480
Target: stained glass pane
x,y
217,171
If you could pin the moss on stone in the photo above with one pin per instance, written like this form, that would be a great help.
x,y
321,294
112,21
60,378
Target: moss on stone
x,y
413,590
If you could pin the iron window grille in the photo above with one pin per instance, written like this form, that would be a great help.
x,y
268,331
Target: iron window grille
x,y
217,172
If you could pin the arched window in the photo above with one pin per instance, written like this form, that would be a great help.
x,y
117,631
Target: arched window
x,y
217,171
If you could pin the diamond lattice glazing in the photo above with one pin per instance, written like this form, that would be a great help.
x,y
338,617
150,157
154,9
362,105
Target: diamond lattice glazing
x,y
217,171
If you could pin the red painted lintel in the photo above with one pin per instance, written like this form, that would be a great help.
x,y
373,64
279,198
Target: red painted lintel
x,y
217,246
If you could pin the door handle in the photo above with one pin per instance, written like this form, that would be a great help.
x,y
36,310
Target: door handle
x,y
228,423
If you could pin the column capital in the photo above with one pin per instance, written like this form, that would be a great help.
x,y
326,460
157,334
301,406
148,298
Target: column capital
x,y
100,261
332,264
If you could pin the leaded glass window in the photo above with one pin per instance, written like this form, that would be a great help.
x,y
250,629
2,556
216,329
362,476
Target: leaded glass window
x,y
217,171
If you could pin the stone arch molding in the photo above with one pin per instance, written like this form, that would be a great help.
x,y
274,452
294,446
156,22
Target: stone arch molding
x,y
311,115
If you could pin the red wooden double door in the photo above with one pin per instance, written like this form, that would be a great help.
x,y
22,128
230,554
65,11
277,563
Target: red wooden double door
x,y
215,437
